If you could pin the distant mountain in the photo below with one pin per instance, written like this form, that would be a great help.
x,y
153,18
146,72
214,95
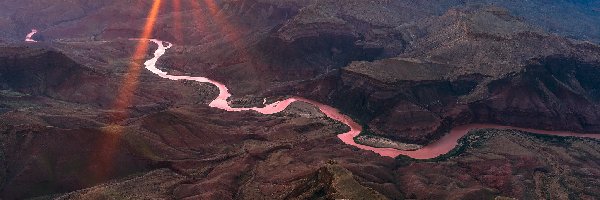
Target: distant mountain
x,y
574,19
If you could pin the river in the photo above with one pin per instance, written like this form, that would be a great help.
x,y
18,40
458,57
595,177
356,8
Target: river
x,y
435,149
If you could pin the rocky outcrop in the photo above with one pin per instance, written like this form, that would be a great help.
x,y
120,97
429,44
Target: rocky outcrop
x,y
399,99
371,27
554,93
550,93
484,74
333,182
507,163
489,41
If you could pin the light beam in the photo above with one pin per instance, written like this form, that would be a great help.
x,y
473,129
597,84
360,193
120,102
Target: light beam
x,y
102,160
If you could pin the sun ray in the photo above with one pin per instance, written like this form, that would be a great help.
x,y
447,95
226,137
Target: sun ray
x,y
200,19
212,6
130,81
178,20
102,160
231,33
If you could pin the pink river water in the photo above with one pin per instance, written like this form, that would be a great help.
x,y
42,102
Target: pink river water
x,y
29,36
440,147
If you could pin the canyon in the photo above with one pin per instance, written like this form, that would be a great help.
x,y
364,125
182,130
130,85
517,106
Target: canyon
x,y
440,147
320,89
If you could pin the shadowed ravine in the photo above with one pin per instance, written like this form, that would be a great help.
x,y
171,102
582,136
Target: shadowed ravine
x,y
440,147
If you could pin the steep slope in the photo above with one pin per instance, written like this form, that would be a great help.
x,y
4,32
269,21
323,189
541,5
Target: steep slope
x,y
453,73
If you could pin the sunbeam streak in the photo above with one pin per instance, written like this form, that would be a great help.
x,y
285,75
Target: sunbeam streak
x,y
200,20
231,33
178,21
102,160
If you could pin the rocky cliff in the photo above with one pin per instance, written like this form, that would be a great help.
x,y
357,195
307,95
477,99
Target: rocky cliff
x,y
453,75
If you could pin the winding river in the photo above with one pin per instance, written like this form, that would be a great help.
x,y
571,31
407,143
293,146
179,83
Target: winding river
x,y
435,149
440,147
